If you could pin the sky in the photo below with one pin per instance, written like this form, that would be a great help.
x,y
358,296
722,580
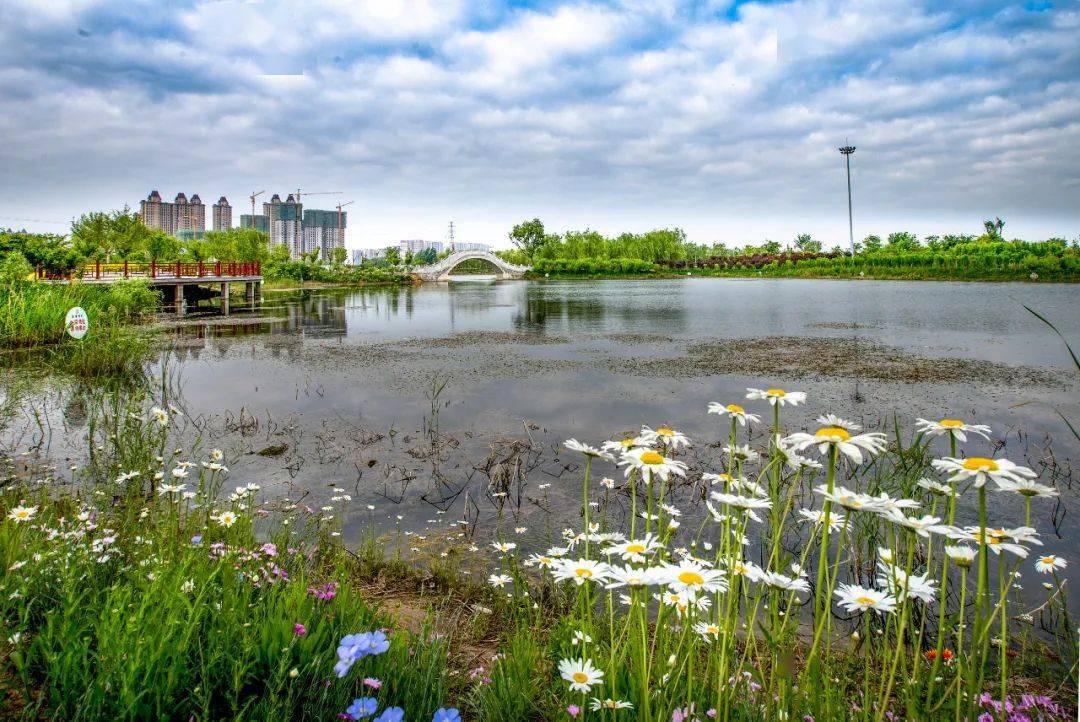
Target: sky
x,y
720,118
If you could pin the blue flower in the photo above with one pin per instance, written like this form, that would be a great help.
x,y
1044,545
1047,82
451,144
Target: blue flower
x,y
197,539
448,714
391,714
354,647
362,707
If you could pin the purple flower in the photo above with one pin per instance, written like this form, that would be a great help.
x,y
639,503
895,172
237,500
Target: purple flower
x,y
372,682
354,647
391,714
299,629
362,707
573,710
449,714
197,539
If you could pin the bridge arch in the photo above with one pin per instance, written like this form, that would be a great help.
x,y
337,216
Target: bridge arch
x,y
441,270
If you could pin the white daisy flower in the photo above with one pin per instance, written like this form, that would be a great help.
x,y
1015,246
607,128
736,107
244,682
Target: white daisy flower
x,y
580,673
503,547
651,463
598,704
951,426
849,445
692,576
22,513
579,570
936,487
500,580
900,584
849,499
709,631
961,556
634,550
979,469
742,453
924,525
855,598
785,583
665,435
836,520
1049,563
777,396
747,503
1027,487
734,411
575,445
624,444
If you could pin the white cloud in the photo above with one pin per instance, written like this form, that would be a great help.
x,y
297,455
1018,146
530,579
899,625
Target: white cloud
x,y
609,114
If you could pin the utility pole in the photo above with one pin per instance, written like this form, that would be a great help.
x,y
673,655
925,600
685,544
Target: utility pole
x,y
847,150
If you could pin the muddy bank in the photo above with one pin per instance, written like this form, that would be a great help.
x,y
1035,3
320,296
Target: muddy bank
x,y
774,356
808,357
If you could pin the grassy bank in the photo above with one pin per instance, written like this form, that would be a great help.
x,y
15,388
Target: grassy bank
x,y
148,585
32,325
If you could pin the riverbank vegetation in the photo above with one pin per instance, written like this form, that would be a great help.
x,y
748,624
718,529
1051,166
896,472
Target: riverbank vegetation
x,y
832,574
900,256
32,322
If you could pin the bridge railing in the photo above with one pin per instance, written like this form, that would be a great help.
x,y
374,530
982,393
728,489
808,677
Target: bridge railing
x,y
99,271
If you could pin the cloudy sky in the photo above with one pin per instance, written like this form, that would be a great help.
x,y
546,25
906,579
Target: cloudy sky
x,y
722,118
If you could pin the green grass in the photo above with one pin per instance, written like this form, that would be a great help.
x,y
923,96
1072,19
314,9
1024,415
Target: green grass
x,y
32,326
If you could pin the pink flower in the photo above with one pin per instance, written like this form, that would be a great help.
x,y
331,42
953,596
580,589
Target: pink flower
x,y
573,710
372,682
299,629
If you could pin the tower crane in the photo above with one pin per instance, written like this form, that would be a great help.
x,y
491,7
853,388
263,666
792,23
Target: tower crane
x,y
253,196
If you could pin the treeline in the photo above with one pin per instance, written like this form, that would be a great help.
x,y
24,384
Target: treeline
x,y
117,236
899,255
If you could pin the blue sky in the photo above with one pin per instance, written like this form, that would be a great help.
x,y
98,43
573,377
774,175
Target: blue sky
x,y
722,118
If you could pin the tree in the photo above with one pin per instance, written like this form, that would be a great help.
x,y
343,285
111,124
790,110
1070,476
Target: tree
x,y
338,256
160,246
872,243
770,246
805,242
409,258
994,228
393,256
903,241
528,236
14,268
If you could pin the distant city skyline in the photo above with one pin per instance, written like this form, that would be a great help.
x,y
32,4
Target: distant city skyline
x,y
720,117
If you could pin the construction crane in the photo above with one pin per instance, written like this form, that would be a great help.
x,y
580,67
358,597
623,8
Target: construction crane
x,y
253,196
316,193
341,235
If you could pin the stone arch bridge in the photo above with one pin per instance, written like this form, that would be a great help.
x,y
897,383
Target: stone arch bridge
x,y
441,270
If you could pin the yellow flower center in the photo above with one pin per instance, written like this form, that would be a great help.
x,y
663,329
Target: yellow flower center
x,y
580,677
626,443
583,572
635,548
833,433
544,560
735,409
951,423
978,463
776,392
22,514
865,601
691,578
712,629
651,457
665,431
1047,560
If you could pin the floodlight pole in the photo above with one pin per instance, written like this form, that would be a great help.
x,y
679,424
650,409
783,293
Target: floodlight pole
x,y
847,150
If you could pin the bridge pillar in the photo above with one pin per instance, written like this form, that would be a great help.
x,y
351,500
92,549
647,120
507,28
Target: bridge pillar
x,y
249,291
225,299
178,299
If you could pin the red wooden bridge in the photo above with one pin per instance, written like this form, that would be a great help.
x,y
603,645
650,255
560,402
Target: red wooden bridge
x,y
175,275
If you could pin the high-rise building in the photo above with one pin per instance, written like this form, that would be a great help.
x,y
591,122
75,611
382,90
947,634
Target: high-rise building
x,y
321,231
179,215
284,219
258,222
416,245
222,215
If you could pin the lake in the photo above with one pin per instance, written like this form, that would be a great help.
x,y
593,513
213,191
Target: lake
x,y
427,402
